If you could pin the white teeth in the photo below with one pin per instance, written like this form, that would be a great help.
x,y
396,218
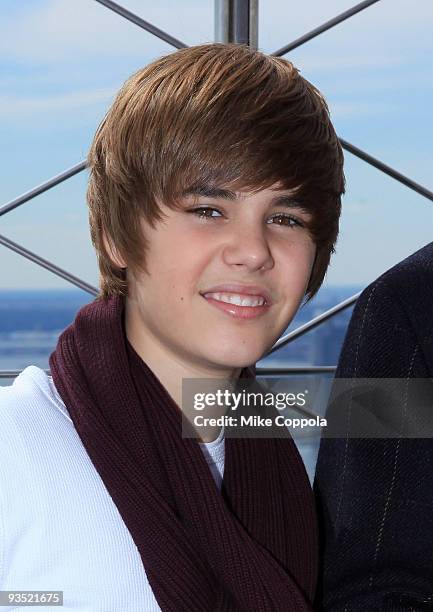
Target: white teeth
x,y
239,300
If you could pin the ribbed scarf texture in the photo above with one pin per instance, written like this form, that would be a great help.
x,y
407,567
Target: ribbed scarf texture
x,y
252,546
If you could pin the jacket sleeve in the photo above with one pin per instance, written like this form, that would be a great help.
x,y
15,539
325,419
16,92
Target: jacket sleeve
x,y
375,496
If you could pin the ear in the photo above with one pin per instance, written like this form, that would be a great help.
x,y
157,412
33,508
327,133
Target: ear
x,y
112,253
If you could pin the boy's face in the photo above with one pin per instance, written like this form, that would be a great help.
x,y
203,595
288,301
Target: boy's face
x,y
181,309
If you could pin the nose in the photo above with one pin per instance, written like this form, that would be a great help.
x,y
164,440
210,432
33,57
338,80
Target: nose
x,y
248,247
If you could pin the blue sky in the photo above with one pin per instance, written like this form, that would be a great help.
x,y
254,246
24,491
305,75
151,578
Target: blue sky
x,y
62,63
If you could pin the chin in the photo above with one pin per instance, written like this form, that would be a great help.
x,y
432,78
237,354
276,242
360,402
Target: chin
x,y
236,357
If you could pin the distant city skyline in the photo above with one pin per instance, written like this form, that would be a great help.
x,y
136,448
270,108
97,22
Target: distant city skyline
x,y
30,322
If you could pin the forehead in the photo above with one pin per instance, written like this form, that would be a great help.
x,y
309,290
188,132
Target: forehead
x,y
276,195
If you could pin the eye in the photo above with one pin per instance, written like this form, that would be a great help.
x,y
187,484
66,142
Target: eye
x,y
205,212
286,220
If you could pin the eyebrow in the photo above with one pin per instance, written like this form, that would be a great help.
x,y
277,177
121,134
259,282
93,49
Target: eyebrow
x,y
205,191
210,192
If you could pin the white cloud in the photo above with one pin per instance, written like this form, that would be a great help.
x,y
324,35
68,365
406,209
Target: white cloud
x,y
388,32
54,31
363,108
63,30
60,43
17,106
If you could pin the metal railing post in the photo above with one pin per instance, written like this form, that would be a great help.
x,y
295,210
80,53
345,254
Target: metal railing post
x,y
237,21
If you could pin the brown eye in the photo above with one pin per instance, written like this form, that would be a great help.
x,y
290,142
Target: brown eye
x,y
286,220
205,212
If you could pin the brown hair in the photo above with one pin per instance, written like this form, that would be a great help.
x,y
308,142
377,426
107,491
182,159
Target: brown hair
x,y
214,114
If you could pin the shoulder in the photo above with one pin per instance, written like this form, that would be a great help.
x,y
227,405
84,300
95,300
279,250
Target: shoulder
x,y
409,283
35,429
392,319
30,401
403,291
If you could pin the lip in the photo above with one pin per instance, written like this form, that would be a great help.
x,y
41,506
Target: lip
x,y
240,290
238,312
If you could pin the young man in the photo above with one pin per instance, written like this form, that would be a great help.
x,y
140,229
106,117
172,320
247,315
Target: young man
x,y
214,199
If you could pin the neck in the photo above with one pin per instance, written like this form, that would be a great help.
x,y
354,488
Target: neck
x,y
172,368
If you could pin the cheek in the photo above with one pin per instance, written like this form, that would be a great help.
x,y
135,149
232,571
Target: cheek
x,y
294,277
173,278
298,260
176,258
180,247
186,255
309,257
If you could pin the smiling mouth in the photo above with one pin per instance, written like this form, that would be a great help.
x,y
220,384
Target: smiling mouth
x,y
250,301
236,305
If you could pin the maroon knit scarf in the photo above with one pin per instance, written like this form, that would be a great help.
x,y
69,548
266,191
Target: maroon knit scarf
x,y
251,547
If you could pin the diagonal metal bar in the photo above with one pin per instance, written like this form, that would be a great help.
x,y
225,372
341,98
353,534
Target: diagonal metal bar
x,y
123,12
386,169
44,263
52,182
15,373
306,327
325,26
261,371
